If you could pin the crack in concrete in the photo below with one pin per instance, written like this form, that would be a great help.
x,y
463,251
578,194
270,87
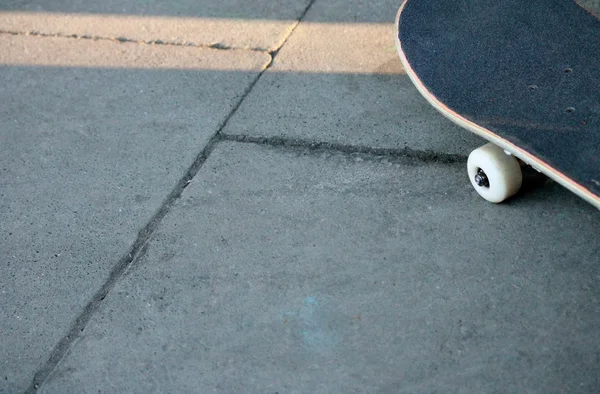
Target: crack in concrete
x,y
136,252
424,156
138,249
218,46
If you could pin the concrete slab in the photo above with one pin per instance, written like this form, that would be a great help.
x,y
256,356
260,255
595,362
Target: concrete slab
x,y
94,135
343,83
297,271
228,23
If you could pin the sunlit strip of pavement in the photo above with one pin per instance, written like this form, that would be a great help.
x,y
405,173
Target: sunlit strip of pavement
x,y
357,48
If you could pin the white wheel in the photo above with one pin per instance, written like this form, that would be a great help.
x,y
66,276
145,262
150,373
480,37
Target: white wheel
x,y
495,175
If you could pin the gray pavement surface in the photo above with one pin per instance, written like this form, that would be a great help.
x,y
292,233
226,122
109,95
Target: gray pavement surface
x,y
166,223
294,271
359,70
88,155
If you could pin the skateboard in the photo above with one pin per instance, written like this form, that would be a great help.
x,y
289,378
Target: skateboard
x,y
524,75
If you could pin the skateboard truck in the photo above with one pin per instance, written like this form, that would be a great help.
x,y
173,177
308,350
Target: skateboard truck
x,y
481,179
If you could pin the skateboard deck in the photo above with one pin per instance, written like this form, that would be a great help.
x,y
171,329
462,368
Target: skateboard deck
x,y
525,75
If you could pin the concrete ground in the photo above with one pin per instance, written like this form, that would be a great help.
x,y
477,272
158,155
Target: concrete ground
x,y
242,196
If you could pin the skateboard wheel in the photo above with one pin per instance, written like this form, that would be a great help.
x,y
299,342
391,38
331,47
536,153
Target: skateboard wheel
x,y
495,175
